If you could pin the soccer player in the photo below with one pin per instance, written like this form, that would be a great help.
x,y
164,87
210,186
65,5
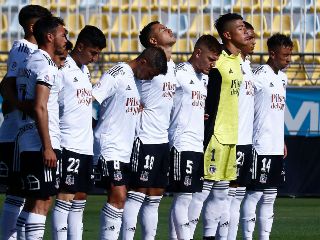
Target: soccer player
x,y
268,138
187,129
221,128
38,140
76,134
150,157
237,188
119,101
20,50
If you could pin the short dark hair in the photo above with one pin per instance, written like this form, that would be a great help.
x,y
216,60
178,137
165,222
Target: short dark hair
x,y
248,25
69,46
279,40
93,36
222,22
209,42
145,34
156,57
30,12
44,26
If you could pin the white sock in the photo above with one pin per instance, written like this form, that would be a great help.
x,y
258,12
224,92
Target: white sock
x,y
248,213
213,208
11,209
60,214
75,225
149,217
130,214
21,225
35,226
196,204
180,208
265,213
172,229
235,213
223,226
110,222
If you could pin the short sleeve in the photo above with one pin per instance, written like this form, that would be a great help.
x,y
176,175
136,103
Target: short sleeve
x,y
105,88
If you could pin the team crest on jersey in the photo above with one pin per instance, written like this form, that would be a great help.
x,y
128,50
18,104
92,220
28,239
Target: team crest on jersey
x,y
70,180
46,78
187,181
263,178
117,176
14,66
144,176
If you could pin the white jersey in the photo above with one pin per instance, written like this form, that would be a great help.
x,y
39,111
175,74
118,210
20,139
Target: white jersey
x,y
157,100
20,50
75,100
39,69
246,105
269,107
119,109
186,130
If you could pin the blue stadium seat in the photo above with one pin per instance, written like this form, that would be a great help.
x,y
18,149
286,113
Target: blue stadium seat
x,y
310,24
178,23
296,5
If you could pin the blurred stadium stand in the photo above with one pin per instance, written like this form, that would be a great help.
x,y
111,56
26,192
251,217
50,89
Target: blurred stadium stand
x,y
121,21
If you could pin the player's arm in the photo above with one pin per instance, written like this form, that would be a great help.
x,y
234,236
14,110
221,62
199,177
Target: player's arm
x,y
285,151
9,94
41,116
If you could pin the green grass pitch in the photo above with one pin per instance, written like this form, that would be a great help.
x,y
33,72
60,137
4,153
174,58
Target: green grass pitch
x,y
295,218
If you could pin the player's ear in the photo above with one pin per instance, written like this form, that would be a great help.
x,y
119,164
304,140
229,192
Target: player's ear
x,y
153,41
142,61
80,46
50,37
198,52
227,35
31,27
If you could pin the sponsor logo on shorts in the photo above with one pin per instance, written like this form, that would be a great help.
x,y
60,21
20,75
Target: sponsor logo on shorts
x,y
212,169
70,180
187,181
144,176
117,176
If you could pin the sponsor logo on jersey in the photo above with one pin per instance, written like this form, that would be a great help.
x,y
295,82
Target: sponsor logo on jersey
x,y
128,87
230,71
248,86
235,87
277,102
75,79
271,85
132,105
84,96
191,82
168,90
198,99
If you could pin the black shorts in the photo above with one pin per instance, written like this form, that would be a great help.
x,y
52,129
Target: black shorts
x,y
268,171
149,165
108,173
186,171
244,164
76,172
39,181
